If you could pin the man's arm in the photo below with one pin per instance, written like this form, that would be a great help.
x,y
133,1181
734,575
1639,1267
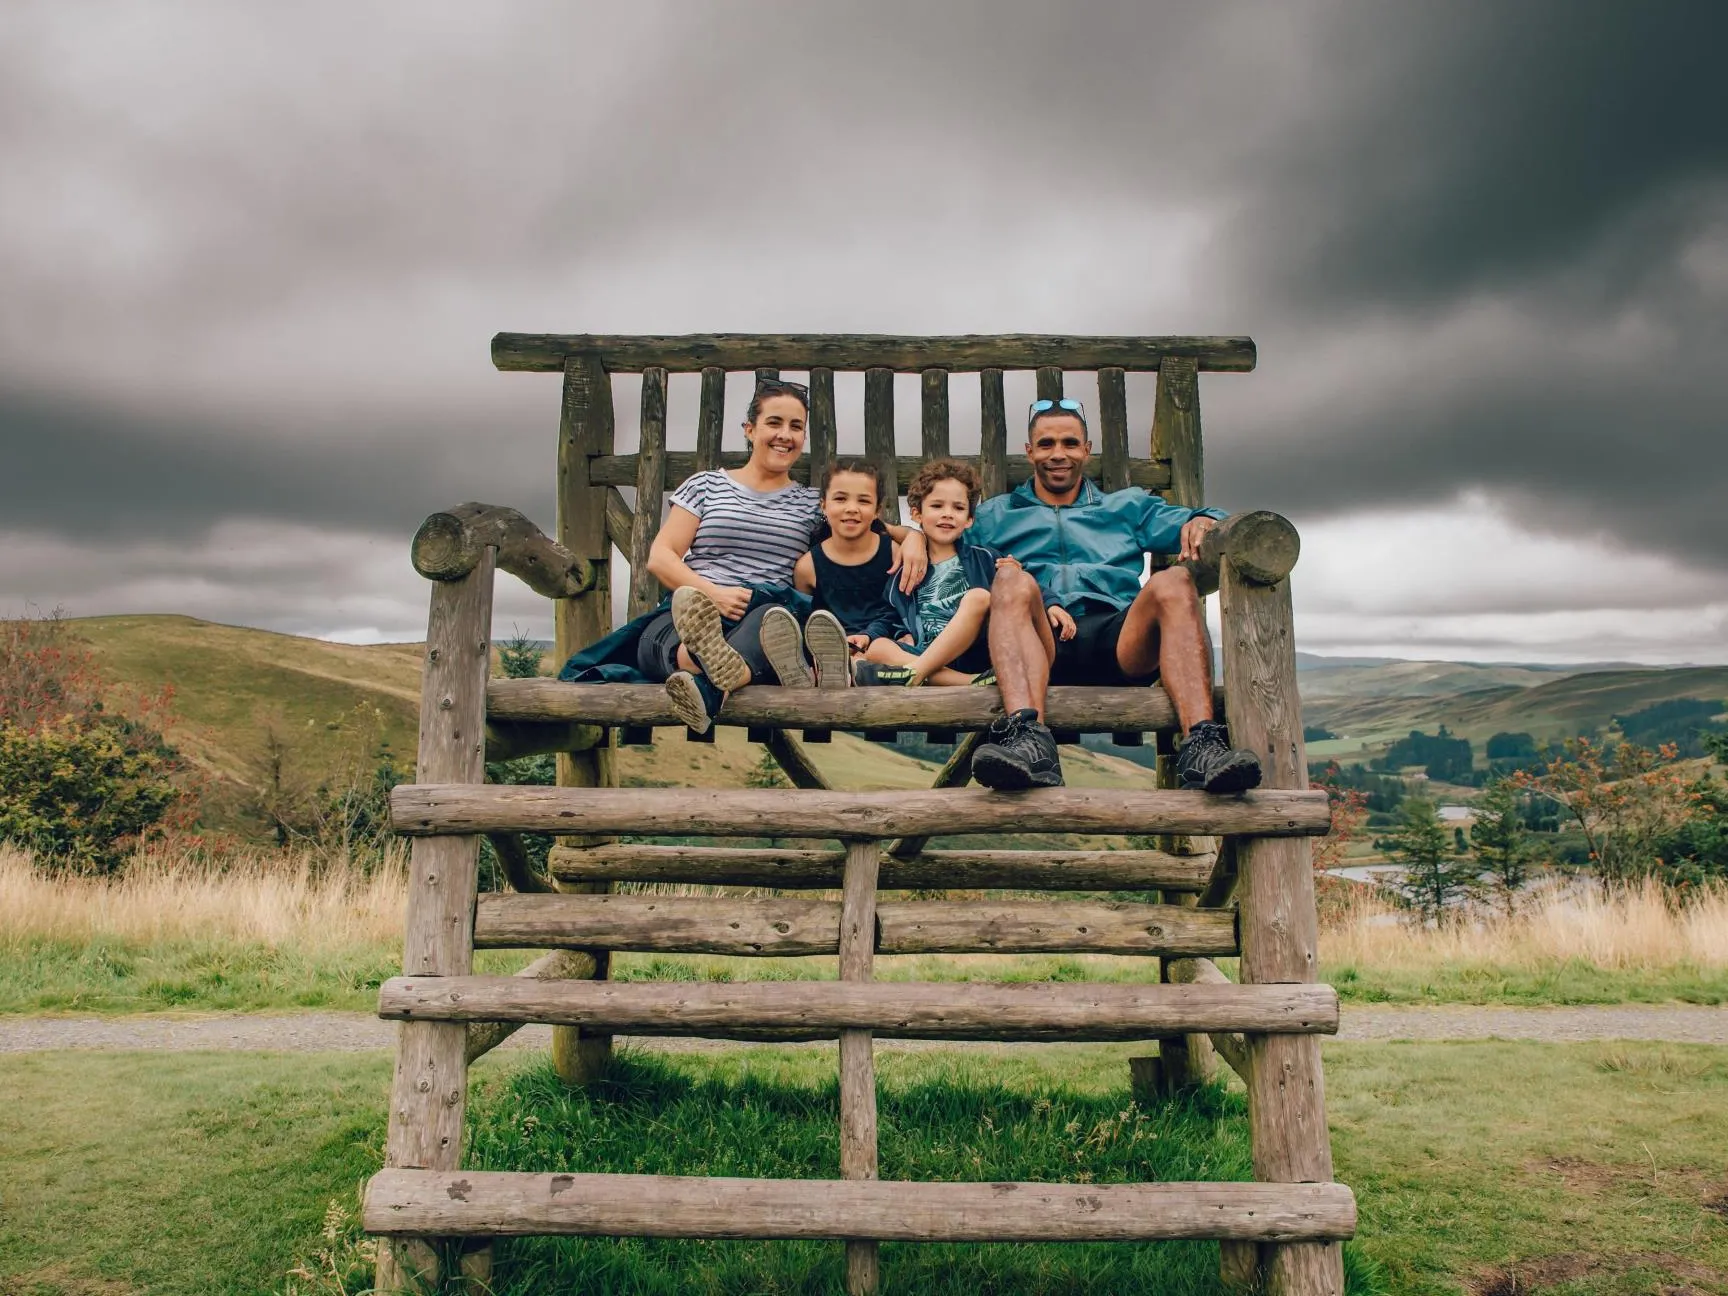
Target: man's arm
x,y
1166,528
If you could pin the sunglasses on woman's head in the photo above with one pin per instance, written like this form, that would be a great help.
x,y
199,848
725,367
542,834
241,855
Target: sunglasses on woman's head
x,y
780,387
1064,406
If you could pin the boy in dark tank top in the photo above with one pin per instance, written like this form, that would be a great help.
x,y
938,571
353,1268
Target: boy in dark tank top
x,y
847,573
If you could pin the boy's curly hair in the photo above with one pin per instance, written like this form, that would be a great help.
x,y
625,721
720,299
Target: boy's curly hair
x,y
938,470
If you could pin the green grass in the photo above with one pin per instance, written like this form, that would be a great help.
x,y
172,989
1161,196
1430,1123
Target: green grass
x,y
1496,1165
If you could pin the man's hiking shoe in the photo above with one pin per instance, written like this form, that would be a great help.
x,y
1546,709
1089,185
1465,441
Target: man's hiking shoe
x,y
694,700
783,646
869,674
1017,752
1209,763
704,637
825,638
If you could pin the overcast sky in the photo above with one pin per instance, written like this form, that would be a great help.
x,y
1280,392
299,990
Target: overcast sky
x,y
251,257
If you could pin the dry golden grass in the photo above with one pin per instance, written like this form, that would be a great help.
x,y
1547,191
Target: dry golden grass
x,y
1640,929
295,899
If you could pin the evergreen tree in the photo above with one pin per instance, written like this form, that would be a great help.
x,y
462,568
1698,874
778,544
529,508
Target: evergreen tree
x,y
1502,843
1434,879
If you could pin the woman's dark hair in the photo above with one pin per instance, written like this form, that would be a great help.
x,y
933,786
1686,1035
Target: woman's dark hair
x,y
767,388
863,467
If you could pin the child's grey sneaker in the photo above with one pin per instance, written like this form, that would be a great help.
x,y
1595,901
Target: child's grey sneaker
x,y
694,700
825,637
783,646
704,637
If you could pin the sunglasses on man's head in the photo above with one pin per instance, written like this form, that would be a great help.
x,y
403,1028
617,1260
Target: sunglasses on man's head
x,y
1065,406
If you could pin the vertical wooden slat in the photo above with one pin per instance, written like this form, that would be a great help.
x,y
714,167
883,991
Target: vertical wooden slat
x,y
934,407
650,487
879,435
1176,430
1279,926
1113,428
710,416
429,1091
992,433
767,372
585,429
1049,383
857,1049
824,437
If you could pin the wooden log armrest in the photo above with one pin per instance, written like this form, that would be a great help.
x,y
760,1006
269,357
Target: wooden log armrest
x,y
449,543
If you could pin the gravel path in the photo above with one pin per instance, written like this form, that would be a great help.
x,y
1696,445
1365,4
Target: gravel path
x,y
355,1032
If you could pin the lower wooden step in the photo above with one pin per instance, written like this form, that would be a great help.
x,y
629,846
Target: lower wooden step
x,y
472,1203
1068,1011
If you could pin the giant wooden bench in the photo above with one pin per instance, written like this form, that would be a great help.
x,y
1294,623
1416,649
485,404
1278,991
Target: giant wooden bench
x,y
1234,871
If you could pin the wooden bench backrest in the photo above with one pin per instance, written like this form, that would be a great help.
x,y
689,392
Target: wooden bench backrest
x,y
591,469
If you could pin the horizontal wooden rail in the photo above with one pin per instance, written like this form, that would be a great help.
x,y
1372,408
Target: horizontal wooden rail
x,y
787,926
1231,1045
902,1010
690,352
620,470
498,1203
423,810
1024,870
1089,710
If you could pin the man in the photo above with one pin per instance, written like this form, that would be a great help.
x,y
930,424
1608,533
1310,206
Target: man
x,y
1088,549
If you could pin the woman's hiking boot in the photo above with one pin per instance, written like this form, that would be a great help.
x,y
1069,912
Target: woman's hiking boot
x,y
1017,752
703,635
1208,762
783,646
694,700
869,674
825,638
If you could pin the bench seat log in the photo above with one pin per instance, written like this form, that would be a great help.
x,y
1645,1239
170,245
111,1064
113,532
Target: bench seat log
x,y
499,1203
1067,1011
425,810
967,352
1091,710
786,926
1023,870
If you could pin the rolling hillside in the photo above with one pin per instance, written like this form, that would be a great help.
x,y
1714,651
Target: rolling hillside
x,y
236,690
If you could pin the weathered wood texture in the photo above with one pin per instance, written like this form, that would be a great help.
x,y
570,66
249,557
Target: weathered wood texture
x,y
857,923
1286,1086
650,484
1089,710
620,521
879,437
448,545
621,469
430,809
904,1010
710,419
1233,1048
933,411
824,434
956,771
1027,870
790,756
518,868
1049,382
557,965
429,1089
993,466
499,1203
510,740
1262,547
686,353
784,926
1113,428
1176,431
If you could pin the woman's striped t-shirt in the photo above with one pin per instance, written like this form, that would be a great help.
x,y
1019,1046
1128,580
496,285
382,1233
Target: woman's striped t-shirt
x,y
748,537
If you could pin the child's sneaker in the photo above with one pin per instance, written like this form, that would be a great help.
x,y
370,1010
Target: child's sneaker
x,y
985,677
704,637
825,637
869,674
694,700
783,646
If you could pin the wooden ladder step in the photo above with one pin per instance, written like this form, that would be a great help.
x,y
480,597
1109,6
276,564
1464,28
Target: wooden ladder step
x,y
789,926
425,810
1092,710
1068,1011
494,1203
791,869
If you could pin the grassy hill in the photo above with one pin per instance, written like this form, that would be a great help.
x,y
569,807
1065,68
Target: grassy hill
x,y
239,694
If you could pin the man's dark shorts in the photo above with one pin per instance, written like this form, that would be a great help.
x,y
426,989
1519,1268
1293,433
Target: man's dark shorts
x,y
1090,656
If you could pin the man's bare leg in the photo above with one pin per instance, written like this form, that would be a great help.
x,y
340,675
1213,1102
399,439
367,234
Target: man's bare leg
x,y
1022,645
1165,631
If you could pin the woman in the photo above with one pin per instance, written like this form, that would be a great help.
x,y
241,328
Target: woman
x,y
726,551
